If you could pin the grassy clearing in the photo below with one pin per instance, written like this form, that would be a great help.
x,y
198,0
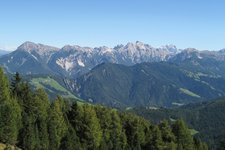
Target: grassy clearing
x,y
187,92
52,86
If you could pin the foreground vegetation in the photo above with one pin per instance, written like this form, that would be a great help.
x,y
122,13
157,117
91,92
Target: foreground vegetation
x,y
29,121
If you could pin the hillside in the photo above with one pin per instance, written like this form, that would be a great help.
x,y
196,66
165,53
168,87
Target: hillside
x,y
51,86
207,118
29,121
152,84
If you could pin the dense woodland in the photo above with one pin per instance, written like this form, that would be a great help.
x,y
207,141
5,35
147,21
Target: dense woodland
x,y
29,121
207,118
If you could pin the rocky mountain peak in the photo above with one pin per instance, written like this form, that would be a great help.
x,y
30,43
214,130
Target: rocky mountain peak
x,y
190,50
68,48
75,60
130,45
134,47
140,45
76,48
118,46
38,48
170,48
104,49
27,46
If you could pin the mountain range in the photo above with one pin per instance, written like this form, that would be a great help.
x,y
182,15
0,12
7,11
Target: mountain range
x,y
72,61
3,52
128,75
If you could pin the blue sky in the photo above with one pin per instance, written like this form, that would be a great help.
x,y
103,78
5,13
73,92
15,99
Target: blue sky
x,y
184,23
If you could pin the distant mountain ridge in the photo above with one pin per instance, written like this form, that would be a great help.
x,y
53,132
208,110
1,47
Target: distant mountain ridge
x,y
75,60
39,51
4,52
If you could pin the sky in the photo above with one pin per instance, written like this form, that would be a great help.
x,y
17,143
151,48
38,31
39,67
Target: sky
x,y
185,23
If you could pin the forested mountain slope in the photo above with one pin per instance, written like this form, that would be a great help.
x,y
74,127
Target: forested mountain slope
x,y
29,121
208,118
153,84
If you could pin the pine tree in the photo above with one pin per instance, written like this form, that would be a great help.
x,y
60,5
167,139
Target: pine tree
x,y
29,133
183,135
167,135
92,133
105,120
15,84
10,113
70,141
116,132
57,126
135,129
42,106
156,141
166,131
93,127
74,116
24,95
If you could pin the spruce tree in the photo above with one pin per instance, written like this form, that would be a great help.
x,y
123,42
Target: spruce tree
x,y
135,129
74,116
116,132
156,141
28,137
15,84
92,133
10,113
105,120
166,131
183,135
42,104
167,136
57,126
70,141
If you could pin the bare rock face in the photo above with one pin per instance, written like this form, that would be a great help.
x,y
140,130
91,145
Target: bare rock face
x,y
38,51
29,58
76,60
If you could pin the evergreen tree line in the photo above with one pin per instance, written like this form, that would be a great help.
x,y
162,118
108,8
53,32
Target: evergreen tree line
x,y
28,120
